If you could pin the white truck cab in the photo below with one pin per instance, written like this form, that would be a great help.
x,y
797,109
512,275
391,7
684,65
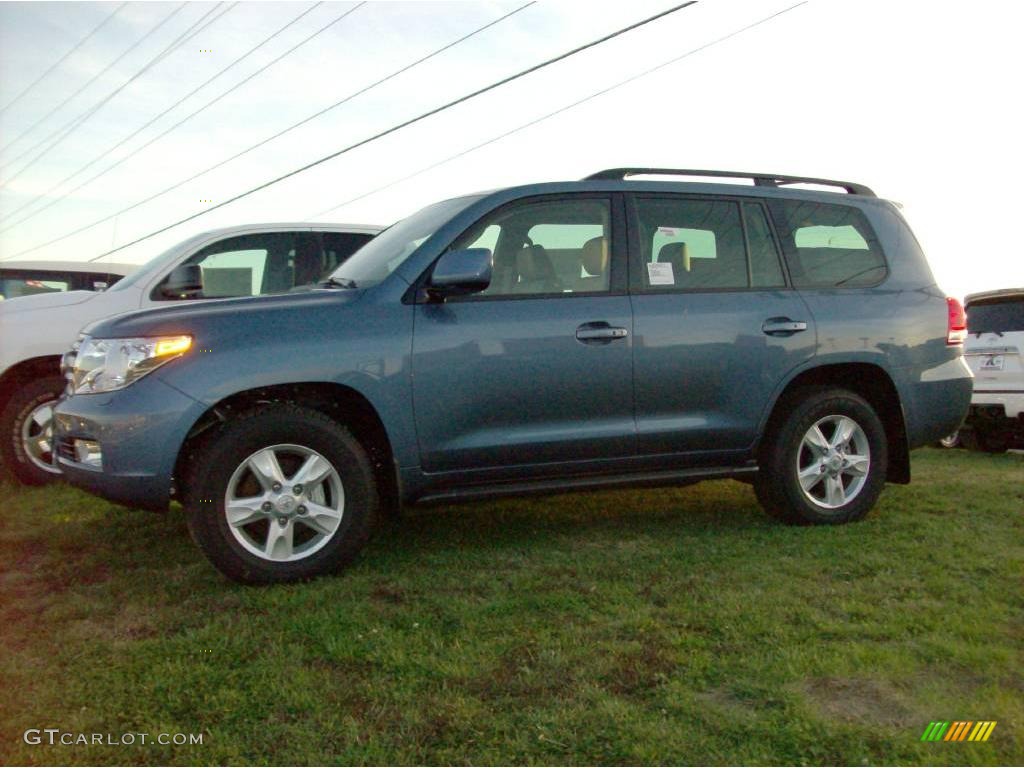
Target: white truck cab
x,y
36,330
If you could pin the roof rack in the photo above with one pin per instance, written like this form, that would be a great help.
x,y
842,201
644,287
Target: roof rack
x,y
760,179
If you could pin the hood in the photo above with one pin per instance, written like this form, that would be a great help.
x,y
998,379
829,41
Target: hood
x,y
250,312
46,300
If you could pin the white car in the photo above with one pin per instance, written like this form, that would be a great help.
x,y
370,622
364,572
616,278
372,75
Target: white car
x,y
27,278
36,330
995,351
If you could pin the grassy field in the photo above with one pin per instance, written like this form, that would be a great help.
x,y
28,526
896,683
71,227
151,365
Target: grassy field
x,y
661,626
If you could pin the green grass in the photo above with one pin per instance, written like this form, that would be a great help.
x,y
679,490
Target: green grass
x,y
661,626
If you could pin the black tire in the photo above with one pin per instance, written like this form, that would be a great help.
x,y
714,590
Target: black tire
x,y
777,484
990,442
18,462
212,464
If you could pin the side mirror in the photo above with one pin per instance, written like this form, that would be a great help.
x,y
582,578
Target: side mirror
x,y
184,280
460,272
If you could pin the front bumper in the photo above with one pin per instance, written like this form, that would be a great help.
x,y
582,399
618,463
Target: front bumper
x,y
139,429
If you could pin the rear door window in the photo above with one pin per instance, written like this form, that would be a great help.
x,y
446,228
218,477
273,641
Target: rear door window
x,y
701,245
828,245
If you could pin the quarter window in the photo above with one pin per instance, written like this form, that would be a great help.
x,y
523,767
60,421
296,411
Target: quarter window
x,y
828,245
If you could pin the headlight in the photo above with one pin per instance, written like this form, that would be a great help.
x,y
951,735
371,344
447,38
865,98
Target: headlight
x,y
103,365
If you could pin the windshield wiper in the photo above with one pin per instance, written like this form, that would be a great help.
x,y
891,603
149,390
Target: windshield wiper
x,y
338,282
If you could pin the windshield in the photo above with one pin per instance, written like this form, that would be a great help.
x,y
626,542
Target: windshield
x,y
386,252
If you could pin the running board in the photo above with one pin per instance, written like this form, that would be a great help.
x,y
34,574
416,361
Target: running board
x,y
548,486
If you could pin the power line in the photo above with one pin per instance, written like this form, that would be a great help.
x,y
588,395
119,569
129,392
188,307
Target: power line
x,y
157,117
63,58
94,78
369,139
560,110
68,128
77,122
269,138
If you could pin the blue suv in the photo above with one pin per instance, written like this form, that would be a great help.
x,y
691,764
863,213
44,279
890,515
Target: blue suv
x,y
620,330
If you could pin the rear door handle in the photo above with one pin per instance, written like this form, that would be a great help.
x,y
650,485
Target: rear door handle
x,y
601,332
782,326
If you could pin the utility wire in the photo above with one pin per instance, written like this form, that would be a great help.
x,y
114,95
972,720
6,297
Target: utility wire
x,y
365,141
269,138
139,130
63,58
68,128
94,78
77,122
559,111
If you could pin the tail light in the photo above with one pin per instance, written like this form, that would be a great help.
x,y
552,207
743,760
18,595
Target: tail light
x,y
956,322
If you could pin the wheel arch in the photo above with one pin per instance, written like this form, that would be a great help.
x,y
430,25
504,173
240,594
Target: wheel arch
x,y
26,370
871,382
342,403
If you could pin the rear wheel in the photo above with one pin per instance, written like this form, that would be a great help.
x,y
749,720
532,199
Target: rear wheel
x,y
26,423
825,461
280,494
990,442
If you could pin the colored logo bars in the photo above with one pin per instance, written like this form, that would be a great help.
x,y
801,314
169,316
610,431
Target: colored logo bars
x,y
959,730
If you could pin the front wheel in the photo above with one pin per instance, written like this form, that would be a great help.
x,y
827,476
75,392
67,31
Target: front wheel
x,y
280,494
825,461
26,421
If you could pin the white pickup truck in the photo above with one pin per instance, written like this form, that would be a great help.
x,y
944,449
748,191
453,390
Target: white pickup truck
x,y
995,351
36,330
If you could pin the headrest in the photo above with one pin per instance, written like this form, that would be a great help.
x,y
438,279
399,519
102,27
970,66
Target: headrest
x,y
595,256
676,254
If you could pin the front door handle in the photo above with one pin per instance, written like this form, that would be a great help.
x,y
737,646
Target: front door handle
x,y
599,333
782,326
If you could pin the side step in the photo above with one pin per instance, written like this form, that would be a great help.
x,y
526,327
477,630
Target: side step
x,y
546,486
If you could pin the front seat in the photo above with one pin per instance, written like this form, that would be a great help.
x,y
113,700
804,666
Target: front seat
x,y
594,259
308,263
536,272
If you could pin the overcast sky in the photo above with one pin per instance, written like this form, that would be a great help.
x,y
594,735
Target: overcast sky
x,y
917,100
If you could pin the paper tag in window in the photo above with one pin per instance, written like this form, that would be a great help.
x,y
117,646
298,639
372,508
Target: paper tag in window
x,y
667,231
660,274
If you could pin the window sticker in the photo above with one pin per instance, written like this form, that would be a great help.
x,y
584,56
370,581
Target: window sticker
x,y
660,274
667,231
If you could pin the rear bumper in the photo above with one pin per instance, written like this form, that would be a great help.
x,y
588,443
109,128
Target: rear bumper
x,y
936,402
1010,402
139,430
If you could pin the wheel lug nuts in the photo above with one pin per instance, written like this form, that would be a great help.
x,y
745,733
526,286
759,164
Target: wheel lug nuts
x,y
282,521
301,510
297,489
276,486
267,506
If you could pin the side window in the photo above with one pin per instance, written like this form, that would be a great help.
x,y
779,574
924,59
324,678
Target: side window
x,y
828,245
14,284
765,269
691,244
257,264
338,246
552,247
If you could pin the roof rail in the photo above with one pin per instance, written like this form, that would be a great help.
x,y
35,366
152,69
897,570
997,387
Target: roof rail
x,y
760,179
